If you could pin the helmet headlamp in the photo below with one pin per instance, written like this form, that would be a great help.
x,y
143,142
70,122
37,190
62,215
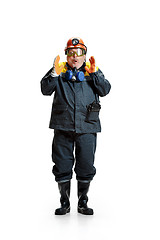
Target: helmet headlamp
x,y
75,41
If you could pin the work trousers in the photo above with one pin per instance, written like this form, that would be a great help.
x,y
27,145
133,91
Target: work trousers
x,y
71,149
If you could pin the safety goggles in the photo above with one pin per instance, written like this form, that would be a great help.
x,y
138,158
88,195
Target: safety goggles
x,y
78,51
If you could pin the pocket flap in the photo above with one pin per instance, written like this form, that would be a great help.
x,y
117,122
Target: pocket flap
x,y
59,108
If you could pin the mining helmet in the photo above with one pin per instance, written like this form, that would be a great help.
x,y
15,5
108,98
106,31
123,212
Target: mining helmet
x,y
75,43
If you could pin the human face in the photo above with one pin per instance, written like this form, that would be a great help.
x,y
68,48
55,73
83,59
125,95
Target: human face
x,y
75,61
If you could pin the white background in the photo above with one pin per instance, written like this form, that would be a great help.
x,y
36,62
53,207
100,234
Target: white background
x,y
124,38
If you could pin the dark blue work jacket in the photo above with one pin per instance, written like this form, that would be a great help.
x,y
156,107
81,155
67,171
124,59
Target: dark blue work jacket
x,y
71,101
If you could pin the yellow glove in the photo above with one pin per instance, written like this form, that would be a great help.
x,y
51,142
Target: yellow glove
x,y
92,68
56,68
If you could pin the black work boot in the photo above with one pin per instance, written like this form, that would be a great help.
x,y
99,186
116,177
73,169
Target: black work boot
x,y
83,188
64,189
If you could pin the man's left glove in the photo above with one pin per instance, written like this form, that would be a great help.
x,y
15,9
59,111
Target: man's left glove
x,y
56,68
92,68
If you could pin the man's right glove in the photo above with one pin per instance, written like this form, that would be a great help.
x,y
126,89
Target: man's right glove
x,y
56,68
